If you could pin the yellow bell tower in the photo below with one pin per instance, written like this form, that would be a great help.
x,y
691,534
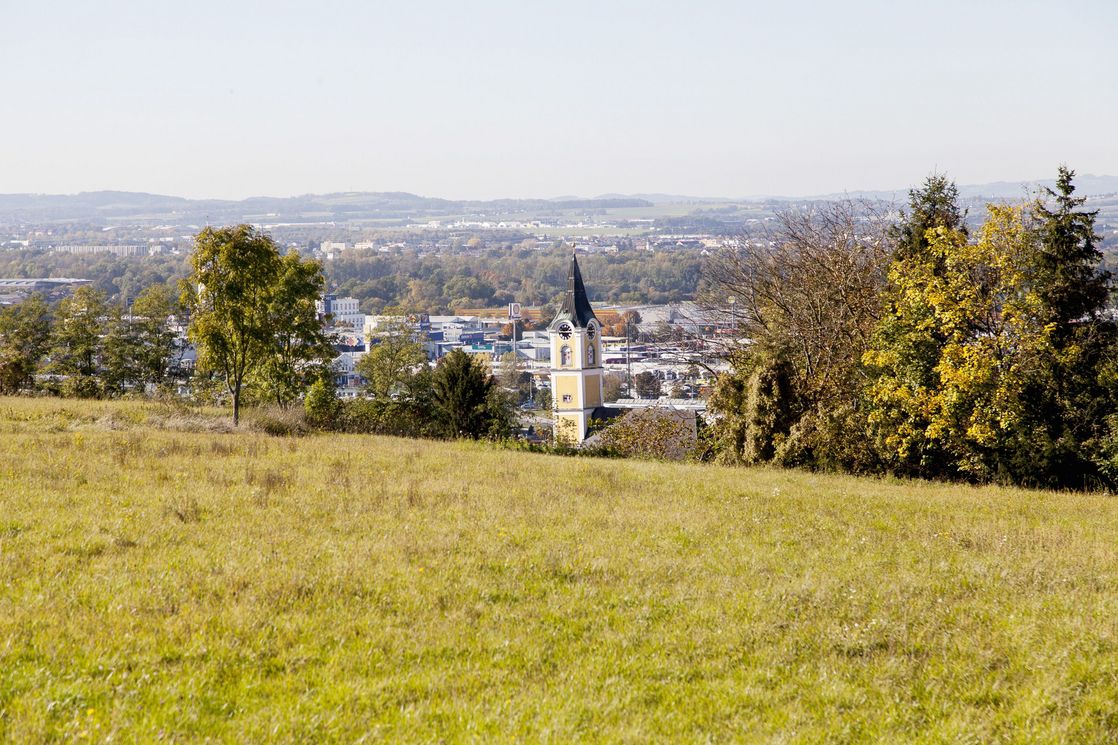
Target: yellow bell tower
x,y
576,362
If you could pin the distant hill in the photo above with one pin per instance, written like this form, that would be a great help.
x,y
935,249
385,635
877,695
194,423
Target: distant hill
x,y
139,208
1085,185
101,207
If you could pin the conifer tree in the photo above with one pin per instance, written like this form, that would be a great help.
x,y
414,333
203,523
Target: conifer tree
x,y
461,396
934,205
1070,404
1069,281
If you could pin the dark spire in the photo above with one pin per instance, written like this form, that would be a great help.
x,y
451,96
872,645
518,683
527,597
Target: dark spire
x,y
576,306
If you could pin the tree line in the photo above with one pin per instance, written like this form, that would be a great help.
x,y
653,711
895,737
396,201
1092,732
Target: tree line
x,y
912,347
250,315
87,347
411,281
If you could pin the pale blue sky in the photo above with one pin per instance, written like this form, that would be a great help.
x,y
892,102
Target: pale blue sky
x,y
535,98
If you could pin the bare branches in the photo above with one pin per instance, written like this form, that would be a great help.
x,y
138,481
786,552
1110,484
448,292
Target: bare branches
x,y
809,289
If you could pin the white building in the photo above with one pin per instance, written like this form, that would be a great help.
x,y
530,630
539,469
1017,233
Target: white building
x,y
344,311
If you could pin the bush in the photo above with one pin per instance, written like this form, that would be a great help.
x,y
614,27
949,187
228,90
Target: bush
x,y
82,386
277,422
652,433
322,407
401,418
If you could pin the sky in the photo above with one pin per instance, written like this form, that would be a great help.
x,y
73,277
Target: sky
x,y
541,98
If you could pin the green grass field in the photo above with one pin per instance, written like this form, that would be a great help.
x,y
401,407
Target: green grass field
x,y
163,584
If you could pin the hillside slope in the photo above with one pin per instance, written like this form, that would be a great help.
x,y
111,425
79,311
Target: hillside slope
x,y
187,585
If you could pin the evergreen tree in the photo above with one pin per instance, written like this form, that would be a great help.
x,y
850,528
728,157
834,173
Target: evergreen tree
x,y
461,396
1070,405
1069,281
934,205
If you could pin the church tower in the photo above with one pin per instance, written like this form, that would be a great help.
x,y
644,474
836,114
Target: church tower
x,y
576,361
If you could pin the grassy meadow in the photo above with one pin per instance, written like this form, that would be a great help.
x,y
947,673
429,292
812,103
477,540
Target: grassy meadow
x,y
163,579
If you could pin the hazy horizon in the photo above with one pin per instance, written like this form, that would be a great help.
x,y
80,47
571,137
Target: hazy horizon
x,y
504,100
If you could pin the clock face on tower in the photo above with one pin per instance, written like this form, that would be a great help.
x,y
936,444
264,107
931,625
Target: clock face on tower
x,y
565,330
591,330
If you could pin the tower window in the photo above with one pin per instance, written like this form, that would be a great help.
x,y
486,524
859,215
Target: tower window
x,y
566,398
590,354
565,356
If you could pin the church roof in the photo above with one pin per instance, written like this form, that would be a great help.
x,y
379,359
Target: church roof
x,y
576,306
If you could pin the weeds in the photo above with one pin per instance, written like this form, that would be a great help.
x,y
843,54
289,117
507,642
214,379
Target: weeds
x,y
183,507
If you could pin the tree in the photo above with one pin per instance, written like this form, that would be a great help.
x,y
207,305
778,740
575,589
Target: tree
x,y
234,273
322,406
652,433
612,385
647,385
461,391
121,345
805,304
1070,285
757,408
159,350
977,375
958,347
1078,396
514,378
77,344
627,325
392,360
301,351
908,339
934,205
25,332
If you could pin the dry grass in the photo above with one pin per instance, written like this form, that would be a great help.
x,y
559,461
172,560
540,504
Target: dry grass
x,y
161,584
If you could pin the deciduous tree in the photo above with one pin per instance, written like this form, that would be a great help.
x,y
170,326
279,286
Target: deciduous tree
x,y
77,342
25,331
235,271
394,357
647,385
798,311
301,351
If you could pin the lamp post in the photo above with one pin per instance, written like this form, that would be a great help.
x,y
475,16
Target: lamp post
x,y
628,363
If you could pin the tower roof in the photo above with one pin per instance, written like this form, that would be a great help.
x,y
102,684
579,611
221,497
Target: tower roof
x,y
576,306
